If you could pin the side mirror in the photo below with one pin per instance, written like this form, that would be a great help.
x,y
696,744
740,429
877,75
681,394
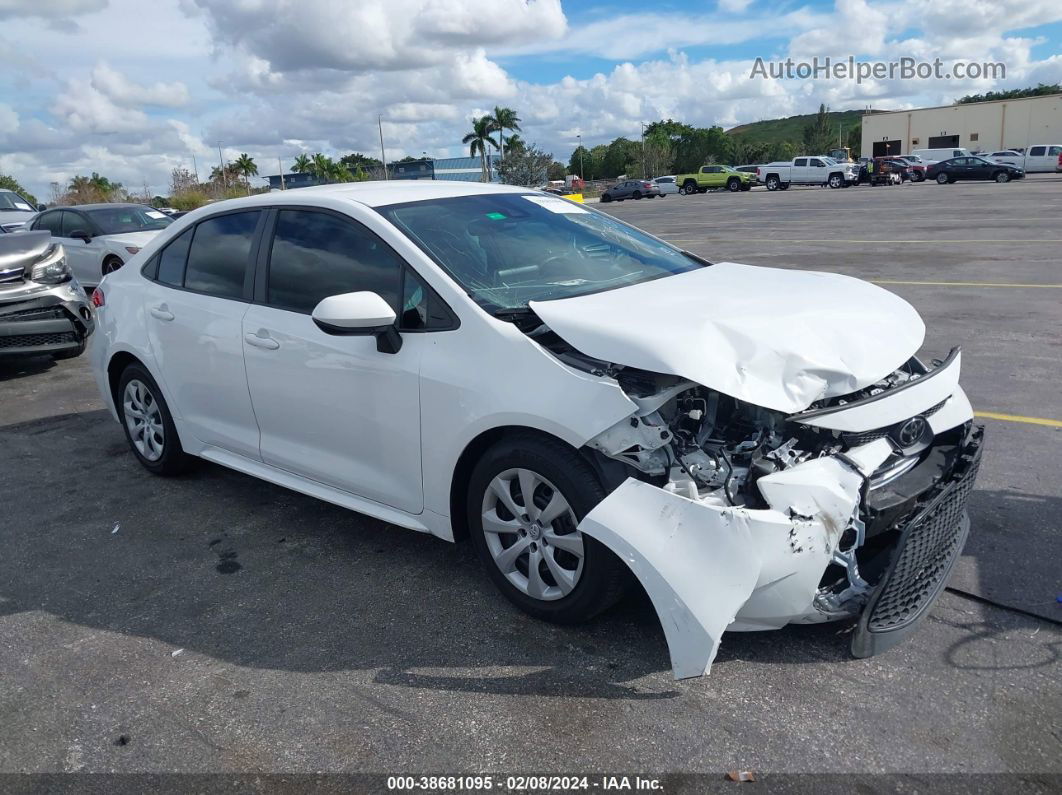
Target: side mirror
x,y
362,313
80,234
41,208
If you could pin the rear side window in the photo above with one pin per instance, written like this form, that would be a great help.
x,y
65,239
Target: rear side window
x,y
315,255
1054,150
220,254
800,161
51,222
171,262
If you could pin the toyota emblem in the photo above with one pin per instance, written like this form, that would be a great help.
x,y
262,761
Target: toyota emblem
x,y
911,432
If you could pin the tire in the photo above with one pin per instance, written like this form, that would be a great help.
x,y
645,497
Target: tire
x,y
585,586
111,264
942,178
773,182
636,195
159,455
689,187
835,181
733,185
1002,176
605,198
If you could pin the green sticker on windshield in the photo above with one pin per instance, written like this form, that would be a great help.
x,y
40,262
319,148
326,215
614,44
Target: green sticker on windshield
x,y
496,216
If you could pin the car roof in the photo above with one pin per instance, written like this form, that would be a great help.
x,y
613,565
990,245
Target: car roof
x,y
100,206
374,193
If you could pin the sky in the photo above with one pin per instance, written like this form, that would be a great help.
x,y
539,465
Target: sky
x,y
132,89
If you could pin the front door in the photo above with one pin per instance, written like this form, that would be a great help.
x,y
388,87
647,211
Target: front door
x,y
333,408
193,310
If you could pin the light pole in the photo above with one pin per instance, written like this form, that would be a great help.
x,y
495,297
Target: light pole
x,y
221,160
383,152
579,137
642,128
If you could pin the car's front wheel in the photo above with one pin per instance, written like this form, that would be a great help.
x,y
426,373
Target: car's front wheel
x,y
526,498
148,424
1002,176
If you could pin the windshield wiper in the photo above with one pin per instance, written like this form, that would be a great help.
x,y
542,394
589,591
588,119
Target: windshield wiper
x,y
695,258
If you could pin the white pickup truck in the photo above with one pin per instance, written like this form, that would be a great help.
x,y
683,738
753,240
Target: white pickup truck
x,y
808,171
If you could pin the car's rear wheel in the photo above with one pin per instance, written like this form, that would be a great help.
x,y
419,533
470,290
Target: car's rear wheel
x,y
111,264
526,498
942,178
148,424
1002,176
689,188
773,182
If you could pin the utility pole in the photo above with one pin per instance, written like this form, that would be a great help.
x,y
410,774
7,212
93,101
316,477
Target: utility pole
x,y
383,152
221,159
579,138
645,174
195,168
281,164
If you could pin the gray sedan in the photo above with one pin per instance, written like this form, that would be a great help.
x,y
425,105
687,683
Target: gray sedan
x,y
631,189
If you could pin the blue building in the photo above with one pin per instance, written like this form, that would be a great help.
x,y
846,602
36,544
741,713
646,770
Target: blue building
x,y
457,169
465,169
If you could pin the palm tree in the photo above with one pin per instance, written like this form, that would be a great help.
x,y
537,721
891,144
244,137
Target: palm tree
x,y
478,140
516,144
504,119
302,165
320,166
337,172
244,165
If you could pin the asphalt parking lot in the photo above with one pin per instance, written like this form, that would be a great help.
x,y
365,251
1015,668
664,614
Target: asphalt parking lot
x,y
215,623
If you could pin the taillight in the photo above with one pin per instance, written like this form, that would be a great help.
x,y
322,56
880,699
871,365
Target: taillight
x,y
98,298
1060,160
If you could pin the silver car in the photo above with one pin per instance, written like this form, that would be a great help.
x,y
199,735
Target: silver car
x,y
631,189
43,310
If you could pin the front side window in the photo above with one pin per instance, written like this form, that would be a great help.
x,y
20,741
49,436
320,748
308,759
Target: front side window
x,y
817,163
220,254
75,222
508,249
315,255
12,201
129,218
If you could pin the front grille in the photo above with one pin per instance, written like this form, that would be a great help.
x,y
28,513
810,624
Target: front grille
x,y
866,437
928,548
36,313
37,340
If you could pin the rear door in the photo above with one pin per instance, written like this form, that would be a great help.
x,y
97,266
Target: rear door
x,y
194,312
335,408
799,171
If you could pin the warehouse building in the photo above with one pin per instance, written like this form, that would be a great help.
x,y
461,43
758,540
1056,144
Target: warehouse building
x,y
977,126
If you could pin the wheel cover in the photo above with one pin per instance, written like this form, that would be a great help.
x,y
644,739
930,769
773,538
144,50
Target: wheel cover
x,y
143,419
533,542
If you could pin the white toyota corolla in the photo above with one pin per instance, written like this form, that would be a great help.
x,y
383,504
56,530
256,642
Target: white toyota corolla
x,y
756,446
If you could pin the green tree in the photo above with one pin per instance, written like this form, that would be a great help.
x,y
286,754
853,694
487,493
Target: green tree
x,y
1042,89
515,143
356,160
501,120
556,169
12,184
302,165
621,157
528,167
698,146
244,165
479,141
579,160
819,138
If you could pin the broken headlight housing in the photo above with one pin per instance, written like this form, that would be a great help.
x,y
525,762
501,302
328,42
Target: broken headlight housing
x,y
52,267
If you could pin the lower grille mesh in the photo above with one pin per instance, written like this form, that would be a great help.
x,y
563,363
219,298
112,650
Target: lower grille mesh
x,y
36,340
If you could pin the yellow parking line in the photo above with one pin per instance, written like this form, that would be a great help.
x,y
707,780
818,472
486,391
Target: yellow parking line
x,y
962,284
993,415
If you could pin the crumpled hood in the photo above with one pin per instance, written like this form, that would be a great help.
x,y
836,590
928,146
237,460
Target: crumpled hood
x,y
776,338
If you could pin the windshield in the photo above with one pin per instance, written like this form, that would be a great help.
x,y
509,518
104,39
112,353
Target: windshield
x,y
507,249
118,220
12,201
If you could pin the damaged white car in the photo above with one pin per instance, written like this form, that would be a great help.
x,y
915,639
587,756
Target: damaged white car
x,y
758,447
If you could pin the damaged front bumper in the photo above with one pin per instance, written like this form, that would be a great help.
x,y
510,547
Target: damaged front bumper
x,y
710,567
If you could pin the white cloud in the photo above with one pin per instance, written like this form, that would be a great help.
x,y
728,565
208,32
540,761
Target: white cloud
x,y
123,91
48,9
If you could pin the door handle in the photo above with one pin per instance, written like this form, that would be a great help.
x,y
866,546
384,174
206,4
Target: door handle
x,y
161,312
268,343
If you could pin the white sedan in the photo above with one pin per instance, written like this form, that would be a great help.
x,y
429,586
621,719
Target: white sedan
x,y
667,185
100,238
581,400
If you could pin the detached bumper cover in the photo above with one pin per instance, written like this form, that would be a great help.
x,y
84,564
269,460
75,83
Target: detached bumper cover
x,y
926,553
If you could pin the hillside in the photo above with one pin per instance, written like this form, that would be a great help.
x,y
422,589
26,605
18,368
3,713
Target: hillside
x,y
775,131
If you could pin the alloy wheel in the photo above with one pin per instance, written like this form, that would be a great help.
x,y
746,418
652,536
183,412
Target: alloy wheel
x,y
143,419
531,534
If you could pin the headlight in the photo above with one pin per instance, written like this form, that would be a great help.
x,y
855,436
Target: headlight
x,y
52,267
